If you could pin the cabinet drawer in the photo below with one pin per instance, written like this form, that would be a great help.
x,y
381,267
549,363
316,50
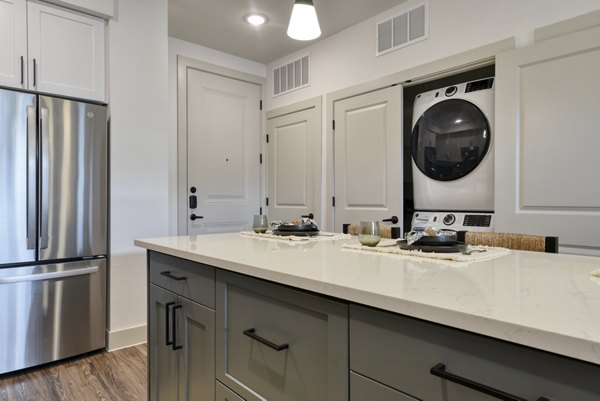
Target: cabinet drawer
x,y
399,352
192,280
224,394
253,317
365,389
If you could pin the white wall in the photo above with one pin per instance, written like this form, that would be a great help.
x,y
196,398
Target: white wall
x,y
138,76
182,48
348,58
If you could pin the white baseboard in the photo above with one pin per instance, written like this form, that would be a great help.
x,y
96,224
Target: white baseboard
x,y
126,337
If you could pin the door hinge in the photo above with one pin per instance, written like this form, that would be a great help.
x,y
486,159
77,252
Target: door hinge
x,y
260,210
261,158
333,124
333,201
267,138
260,103
267,201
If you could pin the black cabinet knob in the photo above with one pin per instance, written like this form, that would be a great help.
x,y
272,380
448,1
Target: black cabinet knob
x,y
194,217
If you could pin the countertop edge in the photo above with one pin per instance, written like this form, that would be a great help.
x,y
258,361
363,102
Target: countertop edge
x,y
556,343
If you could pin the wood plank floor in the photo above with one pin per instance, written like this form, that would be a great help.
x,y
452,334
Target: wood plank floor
x,y
103,376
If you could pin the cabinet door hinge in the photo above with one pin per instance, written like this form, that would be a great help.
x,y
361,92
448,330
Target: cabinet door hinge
x,y
333,201
267,138
260,210
333,124
267,201
260,104
260,158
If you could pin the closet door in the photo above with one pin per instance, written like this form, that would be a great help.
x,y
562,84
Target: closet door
x,y
291,165
368,157
547,140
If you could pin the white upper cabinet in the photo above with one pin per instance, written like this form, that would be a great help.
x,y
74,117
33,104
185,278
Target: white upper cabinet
x,y
52,50
13,43
66,52
547,140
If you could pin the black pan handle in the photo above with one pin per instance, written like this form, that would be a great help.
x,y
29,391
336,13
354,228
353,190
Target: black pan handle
x,y
393,220
309,216
168,323
277,347
172,276
440,371
175,346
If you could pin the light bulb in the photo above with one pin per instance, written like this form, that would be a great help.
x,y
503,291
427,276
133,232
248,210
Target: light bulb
x,y
304,24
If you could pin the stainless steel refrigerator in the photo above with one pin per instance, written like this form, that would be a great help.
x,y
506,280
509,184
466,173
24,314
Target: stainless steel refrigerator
x,y
53,228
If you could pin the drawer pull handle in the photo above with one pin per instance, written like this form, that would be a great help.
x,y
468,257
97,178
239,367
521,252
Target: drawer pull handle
x,y
172,276
277,347
440,371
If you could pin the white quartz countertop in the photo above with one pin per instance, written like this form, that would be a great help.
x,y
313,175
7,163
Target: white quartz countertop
x,y
545,301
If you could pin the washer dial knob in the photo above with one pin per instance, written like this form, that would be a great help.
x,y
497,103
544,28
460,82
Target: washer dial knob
x,y
449,219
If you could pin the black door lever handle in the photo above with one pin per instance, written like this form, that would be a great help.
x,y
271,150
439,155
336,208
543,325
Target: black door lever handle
x,y
310,216
392,220
194,217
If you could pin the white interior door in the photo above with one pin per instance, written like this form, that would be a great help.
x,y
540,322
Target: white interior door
x,y
291,165
547,127
223,148
368,157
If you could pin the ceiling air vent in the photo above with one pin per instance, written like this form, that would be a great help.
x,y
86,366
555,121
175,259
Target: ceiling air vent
x,y
291,76
402,30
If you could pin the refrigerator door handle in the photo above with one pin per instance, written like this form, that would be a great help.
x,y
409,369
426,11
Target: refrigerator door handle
x,y
31,176
45,178
48,276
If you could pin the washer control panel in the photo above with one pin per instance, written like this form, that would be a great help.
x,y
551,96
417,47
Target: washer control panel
x,y
459,221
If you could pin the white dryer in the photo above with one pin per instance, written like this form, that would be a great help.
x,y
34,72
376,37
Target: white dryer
x,y
453,148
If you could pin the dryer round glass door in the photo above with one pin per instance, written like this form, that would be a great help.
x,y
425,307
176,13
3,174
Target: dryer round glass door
x,y
450,139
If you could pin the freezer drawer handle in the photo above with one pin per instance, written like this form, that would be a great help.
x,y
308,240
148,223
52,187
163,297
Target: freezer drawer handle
x,y
175,346
277,347
49,276
440,371
172,276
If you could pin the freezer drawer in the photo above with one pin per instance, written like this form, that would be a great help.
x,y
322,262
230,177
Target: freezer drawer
x,y
50,312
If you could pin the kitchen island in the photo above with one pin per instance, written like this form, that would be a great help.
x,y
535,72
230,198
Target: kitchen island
x,y
542,301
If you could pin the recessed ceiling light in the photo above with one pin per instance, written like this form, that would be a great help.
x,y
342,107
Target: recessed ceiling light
x,y
255,19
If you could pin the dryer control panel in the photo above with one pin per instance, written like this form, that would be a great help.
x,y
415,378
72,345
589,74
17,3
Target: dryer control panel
x,y
459,221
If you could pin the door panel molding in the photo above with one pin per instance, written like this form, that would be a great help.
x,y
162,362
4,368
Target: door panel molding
x,y
184,64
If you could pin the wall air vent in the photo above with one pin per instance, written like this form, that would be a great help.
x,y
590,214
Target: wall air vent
x,y
291,76
402,30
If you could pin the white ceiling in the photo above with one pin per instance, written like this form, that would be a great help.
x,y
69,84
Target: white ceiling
x,y
219,24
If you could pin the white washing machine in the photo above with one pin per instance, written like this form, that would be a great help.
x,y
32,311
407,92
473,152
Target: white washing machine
x,y
453,148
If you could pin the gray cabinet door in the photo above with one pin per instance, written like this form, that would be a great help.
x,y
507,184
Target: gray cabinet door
x,y
163,367
251,313
196,336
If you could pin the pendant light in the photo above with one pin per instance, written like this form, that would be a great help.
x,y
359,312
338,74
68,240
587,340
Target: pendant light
x,y
304,24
